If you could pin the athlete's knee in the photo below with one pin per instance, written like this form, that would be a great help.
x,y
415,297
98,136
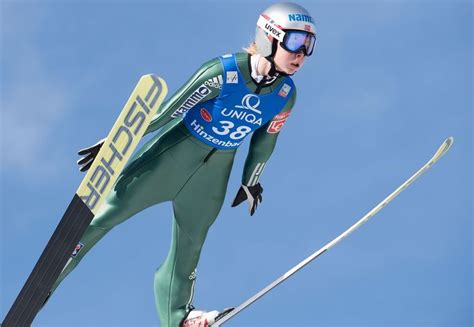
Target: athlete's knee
x,y
110,214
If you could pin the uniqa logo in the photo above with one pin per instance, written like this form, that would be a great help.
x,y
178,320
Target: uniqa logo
x,y
249,104
242,115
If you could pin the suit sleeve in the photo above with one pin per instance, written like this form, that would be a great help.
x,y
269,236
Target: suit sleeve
x,y
263,143
196,90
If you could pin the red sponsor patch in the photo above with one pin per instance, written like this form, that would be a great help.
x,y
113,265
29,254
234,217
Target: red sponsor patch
x,y
77,249
206,115
307,28
277,123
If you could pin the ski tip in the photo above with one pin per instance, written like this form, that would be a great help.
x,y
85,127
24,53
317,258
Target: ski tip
x,y
448,143
450,140
443,149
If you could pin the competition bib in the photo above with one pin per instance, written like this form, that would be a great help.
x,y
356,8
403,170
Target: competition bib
x,y
225,121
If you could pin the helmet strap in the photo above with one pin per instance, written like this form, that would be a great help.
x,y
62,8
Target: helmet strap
x,y
273,71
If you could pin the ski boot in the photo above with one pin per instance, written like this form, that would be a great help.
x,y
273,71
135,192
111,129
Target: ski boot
x,y
197,318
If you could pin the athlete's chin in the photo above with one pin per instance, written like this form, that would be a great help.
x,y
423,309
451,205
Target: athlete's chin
x,y
291,71
292,68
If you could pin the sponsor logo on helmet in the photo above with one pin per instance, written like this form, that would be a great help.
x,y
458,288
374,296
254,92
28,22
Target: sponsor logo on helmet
x,y
215,82
272,30
201,92
275,24
307,28
232,77
277,123
270,27
77,249
206,115
300,18
285,89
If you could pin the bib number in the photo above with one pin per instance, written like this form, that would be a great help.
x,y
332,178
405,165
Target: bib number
x,y
227,127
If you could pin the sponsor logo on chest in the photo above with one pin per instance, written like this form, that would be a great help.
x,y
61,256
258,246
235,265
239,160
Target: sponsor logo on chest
x,y
206,115
200,93
215,82
278,122
247,112
285,89
232,77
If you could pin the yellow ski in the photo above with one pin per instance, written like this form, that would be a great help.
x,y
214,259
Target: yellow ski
x,y
119,145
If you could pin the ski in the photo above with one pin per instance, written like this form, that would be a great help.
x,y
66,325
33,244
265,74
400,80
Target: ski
x,y
439,153
120,143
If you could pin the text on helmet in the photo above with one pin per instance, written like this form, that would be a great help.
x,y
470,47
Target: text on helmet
x,y
300,18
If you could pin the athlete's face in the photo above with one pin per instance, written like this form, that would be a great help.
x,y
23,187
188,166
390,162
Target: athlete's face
x,y
288,62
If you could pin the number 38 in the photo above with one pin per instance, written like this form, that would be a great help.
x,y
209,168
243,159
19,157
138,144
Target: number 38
x,y
227,126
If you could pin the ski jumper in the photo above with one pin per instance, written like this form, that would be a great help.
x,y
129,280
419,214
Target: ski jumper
x,y
200,128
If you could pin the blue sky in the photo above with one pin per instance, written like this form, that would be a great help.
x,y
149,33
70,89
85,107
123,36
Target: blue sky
x,y
389,81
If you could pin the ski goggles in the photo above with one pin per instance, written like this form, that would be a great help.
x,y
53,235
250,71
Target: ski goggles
x,y
292,41
296,41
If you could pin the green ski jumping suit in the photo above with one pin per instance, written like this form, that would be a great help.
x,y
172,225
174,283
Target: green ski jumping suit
x,y
192,149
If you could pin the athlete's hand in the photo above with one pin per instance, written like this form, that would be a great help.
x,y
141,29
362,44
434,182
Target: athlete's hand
x,y
88,155
253,194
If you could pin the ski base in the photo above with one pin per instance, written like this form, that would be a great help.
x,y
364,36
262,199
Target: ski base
x,y
119,145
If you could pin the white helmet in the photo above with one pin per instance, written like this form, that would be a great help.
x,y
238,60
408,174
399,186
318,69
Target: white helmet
x,y
290,24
